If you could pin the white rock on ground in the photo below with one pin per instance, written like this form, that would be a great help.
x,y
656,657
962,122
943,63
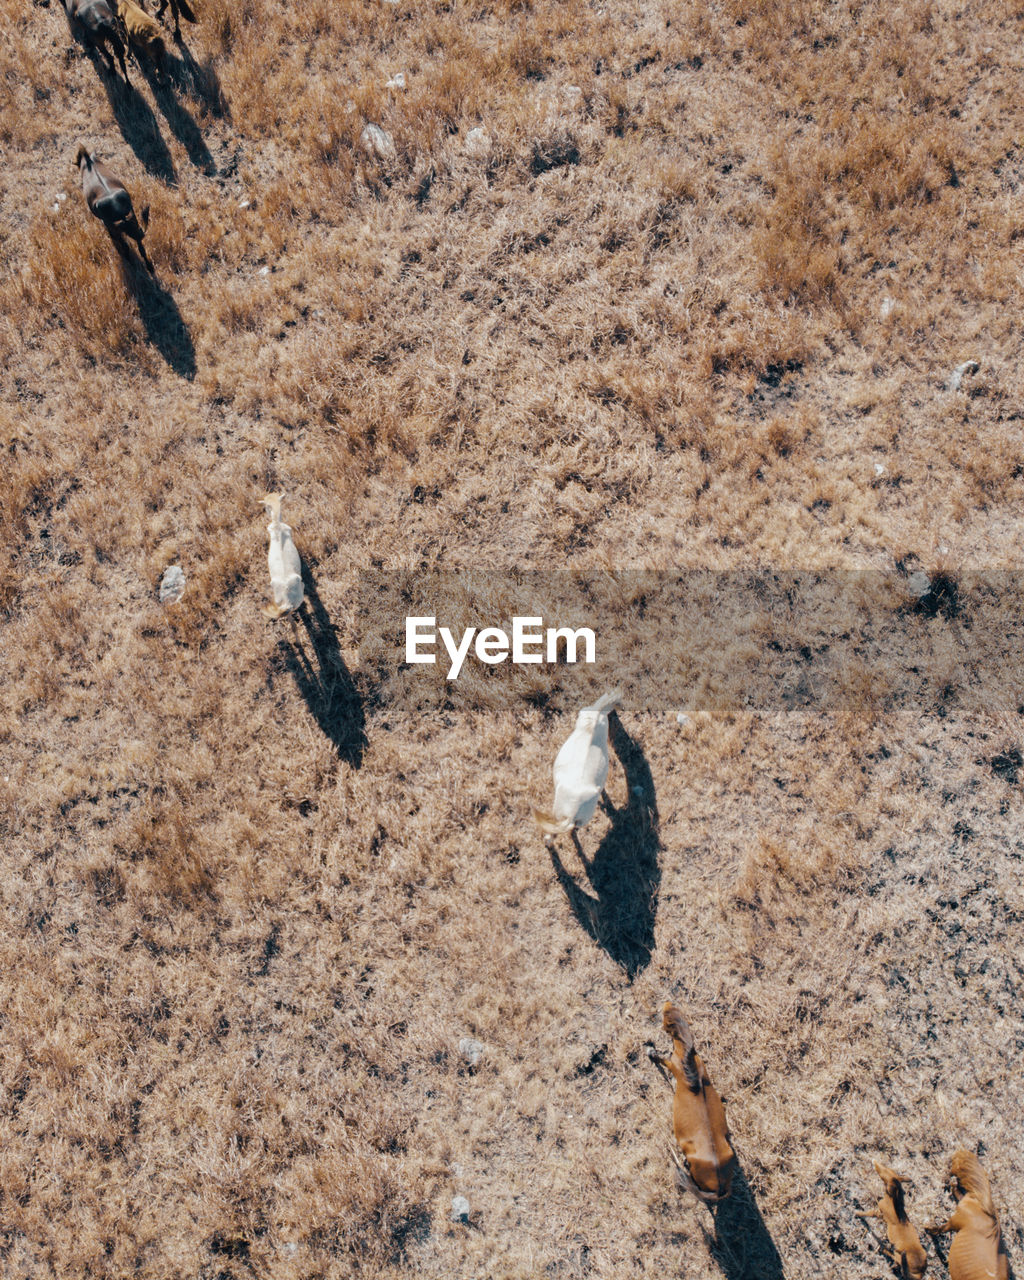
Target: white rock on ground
x,y
960,372
886,309
460,1209
478,143
172,584
471,1050
378,142
397,81
919,583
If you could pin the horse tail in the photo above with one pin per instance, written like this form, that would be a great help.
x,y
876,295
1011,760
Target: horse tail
x,y
550,825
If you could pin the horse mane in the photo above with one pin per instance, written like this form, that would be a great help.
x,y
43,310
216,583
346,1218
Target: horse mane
x,y
895,1190
967,1169
679,1029
691,1071
675,1024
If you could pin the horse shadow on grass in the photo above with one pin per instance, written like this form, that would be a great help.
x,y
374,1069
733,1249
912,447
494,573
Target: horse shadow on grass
x,y
743,1246
137,123
623,873
198,79
165,328
318,668
181,123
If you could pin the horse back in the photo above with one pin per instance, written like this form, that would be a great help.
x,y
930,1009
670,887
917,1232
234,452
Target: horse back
x,y
114,207
96,15
976,1255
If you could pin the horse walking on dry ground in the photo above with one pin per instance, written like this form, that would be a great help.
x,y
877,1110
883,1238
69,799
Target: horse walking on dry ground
x,y
907,1253
144,34
110,202
977,1251
698,1117
580,771
283,562
96,18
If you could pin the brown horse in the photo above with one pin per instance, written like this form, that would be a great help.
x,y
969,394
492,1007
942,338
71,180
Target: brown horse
x,y
698,1117
97,20
977,1251
110,202
906,1253
145,35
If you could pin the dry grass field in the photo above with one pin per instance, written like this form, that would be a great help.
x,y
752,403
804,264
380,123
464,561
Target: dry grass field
x,y
693,302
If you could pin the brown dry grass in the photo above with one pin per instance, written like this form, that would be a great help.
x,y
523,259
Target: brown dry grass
x,y
645,331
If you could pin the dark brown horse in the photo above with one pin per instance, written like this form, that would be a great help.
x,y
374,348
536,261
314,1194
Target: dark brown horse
x,y
177,7
110,202
97,20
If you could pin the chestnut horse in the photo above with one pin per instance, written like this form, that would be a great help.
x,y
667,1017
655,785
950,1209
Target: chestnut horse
x,y
698,1117
977,1251
906,1253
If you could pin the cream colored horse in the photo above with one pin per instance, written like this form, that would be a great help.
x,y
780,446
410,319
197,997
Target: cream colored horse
x,y
580,771
283,561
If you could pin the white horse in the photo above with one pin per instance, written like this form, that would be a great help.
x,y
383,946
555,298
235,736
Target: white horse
x,y
580,772
283,560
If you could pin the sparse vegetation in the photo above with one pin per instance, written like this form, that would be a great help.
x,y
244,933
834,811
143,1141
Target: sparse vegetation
x,y
251,912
